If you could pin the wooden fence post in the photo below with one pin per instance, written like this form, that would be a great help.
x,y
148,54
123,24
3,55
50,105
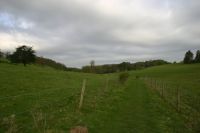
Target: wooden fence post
x,y
107,81
162,90
82,93
178,99
155,85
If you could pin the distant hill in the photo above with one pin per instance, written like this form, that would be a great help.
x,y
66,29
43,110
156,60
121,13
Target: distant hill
x,y
49,62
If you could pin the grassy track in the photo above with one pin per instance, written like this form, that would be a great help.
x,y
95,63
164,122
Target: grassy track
x,y
141,111
106,108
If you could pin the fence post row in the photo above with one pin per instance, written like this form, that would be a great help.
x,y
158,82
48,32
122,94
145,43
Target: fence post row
x,y
175,97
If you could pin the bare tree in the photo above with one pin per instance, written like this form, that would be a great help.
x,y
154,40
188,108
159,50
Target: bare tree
x,y
92,64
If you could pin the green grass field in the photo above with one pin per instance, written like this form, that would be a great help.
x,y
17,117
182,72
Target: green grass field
x,y
41,99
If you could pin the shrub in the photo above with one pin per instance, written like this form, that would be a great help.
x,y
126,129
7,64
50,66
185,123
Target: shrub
x,y
137,77
123,77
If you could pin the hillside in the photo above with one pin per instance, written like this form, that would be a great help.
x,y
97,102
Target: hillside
x,y
39,99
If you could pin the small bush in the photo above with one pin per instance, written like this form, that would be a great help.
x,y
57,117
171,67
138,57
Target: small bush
x,y
123,77
3,60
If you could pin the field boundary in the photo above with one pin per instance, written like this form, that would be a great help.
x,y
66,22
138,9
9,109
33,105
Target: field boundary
x,y
175,97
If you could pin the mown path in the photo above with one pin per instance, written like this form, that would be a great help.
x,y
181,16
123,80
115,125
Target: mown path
x,y
142,111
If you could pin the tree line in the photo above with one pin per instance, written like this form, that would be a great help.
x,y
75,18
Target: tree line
x,y
26,55
124,66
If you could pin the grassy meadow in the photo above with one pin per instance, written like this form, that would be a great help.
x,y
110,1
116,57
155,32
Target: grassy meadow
x,y
44,100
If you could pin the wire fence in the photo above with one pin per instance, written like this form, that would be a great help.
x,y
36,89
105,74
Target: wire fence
x,y
60,100
30,94
178,97
46,104
37,100
38,111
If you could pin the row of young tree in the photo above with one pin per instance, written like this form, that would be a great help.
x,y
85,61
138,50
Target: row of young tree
x,y
189,57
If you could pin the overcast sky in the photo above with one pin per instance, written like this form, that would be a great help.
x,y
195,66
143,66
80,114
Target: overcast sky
x,y
108,31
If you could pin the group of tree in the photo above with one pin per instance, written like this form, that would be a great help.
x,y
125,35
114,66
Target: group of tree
x,y
26,55
124,66
22,54
189,57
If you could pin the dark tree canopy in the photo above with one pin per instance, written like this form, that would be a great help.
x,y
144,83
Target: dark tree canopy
x,y
23,54
1,54
124,66
188,59
197,58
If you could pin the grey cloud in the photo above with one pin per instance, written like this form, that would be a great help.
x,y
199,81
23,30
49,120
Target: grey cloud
x,y
75,33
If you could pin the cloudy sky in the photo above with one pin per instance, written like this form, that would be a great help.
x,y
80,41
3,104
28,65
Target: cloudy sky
x,y
108,31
